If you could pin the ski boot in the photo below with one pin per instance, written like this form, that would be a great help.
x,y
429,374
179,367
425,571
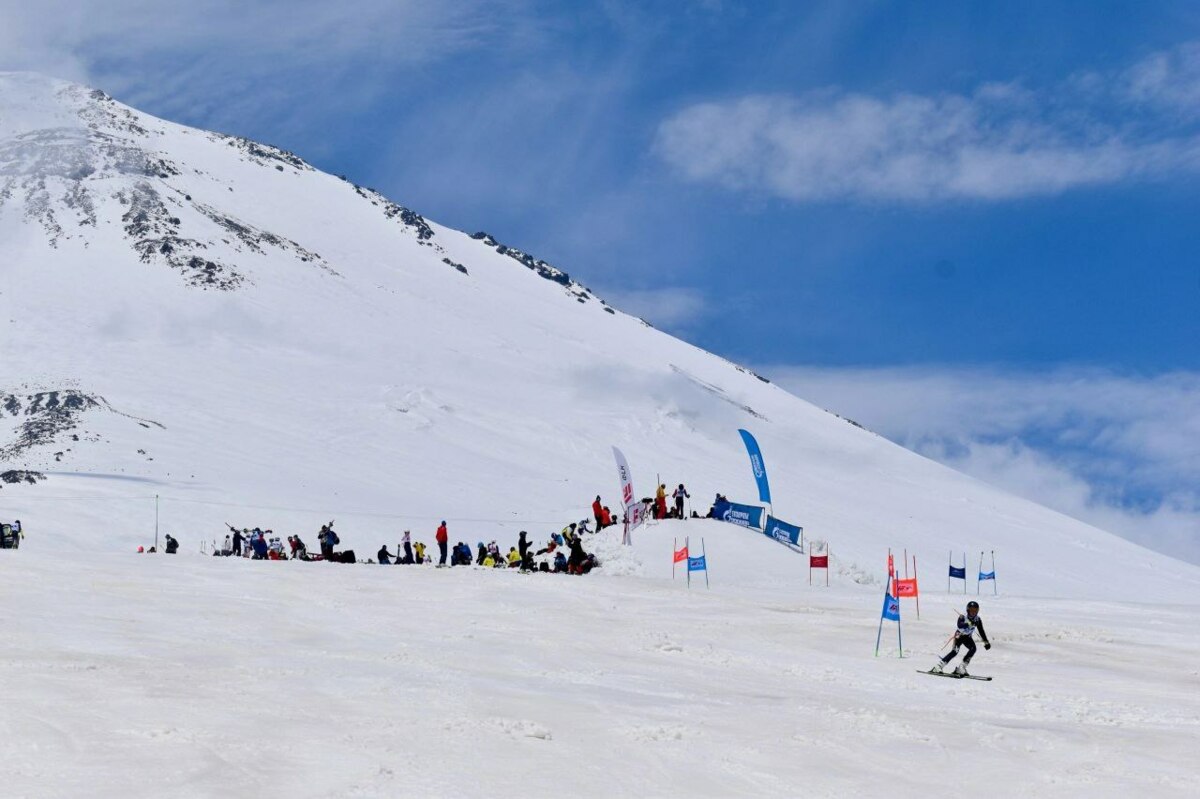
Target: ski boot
x,y
961,670
937,668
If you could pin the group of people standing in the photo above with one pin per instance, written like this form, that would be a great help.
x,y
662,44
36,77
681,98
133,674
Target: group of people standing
x,y
563,551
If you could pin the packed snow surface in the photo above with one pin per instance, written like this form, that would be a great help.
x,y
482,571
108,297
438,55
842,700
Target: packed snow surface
x,y
198,329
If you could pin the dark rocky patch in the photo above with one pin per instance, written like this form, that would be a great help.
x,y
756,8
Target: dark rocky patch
x,y
14,476
456,265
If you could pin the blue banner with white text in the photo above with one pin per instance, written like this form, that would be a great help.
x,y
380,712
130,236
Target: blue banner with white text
x,y
744,515
960,573
756,466
782,531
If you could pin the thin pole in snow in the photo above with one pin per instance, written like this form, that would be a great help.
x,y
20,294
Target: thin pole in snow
x,y
689,566
964,572
674,550
828,555
995,590
704,555
950,560
156,522
980,572
918,586
906,563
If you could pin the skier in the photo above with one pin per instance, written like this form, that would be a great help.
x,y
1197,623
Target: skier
x,y
968,623
598,512
443,536
680,494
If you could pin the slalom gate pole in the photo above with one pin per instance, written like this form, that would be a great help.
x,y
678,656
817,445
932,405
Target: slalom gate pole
x,y
964,572
978,572
689,566
906,563
828,556
995,590
704,555
949,560
918,587
674,549
879,635
810,568
899,634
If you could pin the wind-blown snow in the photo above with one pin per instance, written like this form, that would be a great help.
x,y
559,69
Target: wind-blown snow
x,y
256,342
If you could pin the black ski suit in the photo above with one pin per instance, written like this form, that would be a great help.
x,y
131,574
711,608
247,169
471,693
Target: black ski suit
x,y
963,637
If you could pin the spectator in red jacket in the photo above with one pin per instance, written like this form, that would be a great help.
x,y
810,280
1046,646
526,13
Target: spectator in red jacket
x,y
442,537
598,512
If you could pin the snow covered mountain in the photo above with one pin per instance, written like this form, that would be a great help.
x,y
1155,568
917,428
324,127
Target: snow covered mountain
x,y
212,320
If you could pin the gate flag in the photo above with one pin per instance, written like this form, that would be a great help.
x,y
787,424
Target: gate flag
x,y
891,607
957,573
987,575
681,554
756,465
905,587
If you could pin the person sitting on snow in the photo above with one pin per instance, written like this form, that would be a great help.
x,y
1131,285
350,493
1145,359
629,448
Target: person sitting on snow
x,y
514,558
384,557
419,549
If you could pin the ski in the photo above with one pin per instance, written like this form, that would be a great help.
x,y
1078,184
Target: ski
x,y
953,676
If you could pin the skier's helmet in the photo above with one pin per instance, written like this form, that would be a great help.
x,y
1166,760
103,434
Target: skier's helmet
x,y
972,606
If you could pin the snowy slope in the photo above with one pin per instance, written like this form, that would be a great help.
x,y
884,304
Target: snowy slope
x,y
213,321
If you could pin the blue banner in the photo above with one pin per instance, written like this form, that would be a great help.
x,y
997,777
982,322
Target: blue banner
x,y
697,564
744,515
756,466
987,575
782,531
891,607
961,574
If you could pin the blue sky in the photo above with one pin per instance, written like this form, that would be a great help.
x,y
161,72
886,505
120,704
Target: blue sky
x,y
867,201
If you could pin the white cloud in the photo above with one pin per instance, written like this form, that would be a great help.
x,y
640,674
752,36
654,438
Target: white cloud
x,y
1121,452
668,308
222,52
1000,141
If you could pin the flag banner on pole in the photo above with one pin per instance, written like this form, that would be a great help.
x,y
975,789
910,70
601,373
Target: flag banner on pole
x,y
697,564
681,554
818,561
743,515
961,574
782,531
633,517
635,514
987,575
756,466
891,566
906,587
891,607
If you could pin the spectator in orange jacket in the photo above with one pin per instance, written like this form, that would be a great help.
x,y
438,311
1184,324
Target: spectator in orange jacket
x,y
442,537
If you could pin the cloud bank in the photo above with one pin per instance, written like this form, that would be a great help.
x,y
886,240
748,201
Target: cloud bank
x,y
1120,452
998,142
